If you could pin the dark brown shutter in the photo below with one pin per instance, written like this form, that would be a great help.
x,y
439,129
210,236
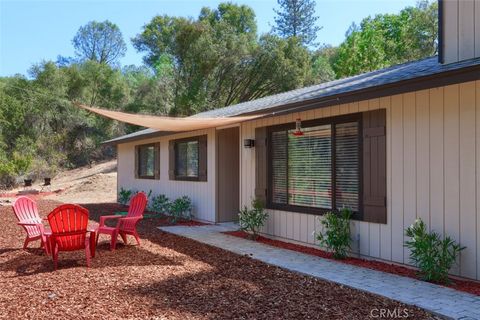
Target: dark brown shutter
x,y
157,160
261,177
374,167
171,160
202,158
137,151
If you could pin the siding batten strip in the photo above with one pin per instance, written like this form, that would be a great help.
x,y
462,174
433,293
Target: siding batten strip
x,y
397,178
409,165
386,229
452,164
477,162
467,179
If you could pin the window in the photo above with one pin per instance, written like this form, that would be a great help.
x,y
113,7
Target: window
x,y
147,161
188,159
186,156
317,171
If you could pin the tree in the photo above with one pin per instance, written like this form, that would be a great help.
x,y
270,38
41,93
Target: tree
x,y
217,60
296,18
99,41
322,61
389,39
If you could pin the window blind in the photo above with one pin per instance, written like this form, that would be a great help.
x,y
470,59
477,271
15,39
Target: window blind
x,y
306,169
347,165
279,167
309,167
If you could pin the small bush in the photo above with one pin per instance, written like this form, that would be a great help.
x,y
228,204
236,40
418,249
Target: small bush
x,y
160,204
7,175
181,208
431,254
336,237
253,219
124,195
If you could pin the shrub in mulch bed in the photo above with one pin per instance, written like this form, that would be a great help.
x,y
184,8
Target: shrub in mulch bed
x,y
100,209
461,285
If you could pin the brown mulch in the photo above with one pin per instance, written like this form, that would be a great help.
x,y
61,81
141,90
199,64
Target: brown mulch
x,y
472,287
167,277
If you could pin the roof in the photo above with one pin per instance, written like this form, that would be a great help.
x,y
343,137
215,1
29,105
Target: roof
x,y
333,90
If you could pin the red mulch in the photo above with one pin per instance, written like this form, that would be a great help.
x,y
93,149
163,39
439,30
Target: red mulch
x,y
472,287
167,277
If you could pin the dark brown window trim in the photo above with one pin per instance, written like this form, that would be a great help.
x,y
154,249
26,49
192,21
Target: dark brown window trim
x,y
310,123
156,165
175,142
440,32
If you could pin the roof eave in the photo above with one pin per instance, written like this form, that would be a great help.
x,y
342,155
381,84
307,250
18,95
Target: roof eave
x,y
449,77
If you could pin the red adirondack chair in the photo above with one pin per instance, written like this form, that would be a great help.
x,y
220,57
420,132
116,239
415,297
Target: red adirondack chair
x,y
126,225
69,224
26,211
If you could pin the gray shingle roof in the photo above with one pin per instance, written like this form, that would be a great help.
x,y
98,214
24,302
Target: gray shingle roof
x,y
407,71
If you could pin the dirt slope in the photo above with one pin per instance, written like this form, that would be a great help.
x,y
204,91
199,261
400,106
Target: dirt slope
x,y
97,184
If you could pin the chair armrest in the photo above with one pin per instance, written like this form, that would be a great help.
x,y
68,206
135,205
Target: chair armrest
x,y
104,218
132,219
34,224
30,224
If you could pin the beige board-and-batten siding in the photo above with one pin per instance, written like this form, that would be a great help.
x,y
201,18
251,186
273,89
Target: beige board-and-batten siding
x,y
433,173
202,193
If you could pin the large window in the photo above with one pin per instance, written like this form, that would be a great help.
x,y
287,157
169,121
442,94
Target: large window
x,y
188,159
316,171
147,166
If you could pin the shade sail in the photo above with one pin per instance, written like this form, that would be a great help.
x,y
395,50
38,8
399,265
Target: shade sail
x,y
173,124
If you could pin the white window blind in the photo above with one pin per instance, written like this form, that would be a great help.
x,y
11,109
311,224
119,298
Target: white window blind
x,y
347,165
310,168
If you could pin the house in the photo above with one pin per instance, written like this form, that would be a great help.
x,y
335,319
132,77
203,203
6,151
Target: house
x,y
394,145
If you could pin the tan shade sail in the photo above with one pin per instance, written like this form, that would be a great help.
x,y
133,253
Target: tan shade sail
x,y
174,124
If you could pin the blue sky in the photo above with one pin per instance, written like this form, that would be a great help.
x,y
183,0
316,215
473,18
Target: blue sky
x,y
32,31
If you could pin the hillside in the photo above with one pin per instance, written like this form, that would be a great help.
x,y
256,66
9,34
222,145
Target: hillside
x,y
96,184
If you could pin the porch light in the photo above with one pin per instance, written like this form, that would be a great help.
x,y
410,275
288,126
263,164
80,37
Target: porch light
x,y
249,143
298,128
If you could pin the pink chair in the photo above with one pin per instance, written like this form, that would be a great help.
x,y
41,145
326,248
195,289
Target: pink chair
x,y
126,225
69,224
26,211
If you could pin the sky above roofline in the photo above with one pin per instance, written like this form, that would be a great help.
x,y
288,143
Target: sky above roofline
x,y
36,30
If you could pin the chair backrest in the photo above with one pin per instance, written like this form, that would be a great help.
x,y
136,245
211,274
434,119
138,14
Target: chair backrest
x,y
69,223
26,211
137,205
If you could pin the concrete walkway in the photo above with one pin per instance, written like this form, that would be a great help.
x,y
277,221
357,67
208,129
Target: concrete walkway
x,y
437,299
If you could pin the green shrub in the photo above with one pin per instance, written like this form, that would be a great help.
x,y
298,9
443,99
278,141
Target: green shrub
x,y
336,235
124,195
14,169
181,208
159,204
21,163
251,220
7,175
433,255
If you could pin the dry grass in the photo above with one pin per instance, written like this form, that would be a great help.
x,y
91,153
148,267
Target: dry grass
x,y
168,277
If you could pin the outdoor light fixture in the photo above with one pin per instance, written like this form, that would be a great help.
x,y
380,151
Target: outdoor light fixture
x,y
249,143
298,128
